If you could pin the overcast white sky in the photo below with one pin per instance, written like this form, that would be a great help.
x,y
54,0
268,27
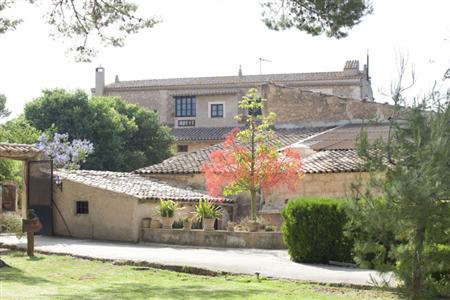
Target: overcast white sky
x,y
212,38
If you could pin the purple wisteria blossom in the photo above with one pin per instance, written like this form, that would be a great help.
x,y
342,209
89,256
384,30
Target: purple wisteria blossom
x,y
65,154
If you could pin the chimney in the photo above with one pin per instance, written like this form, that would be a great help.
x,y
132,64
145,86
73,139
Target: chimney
x,y
99,81
240,71
351,67
116,80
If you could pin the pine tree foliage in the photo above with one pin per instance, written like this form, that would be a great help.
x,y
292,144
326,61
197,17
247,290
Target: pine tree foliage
x,y
85,22
402,219
331,17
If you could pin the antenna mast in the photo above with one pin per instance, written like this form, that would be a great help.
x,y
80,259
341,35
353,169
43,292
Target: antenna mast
x,y
260,63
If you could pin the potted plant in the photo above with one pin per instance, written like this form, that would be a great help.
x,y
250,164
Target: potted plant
x,y
208,213
167,210
255,225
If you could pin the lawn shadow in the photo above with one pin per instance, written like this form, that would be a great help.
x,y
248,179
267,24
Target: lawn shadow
x,y
11,274
148,291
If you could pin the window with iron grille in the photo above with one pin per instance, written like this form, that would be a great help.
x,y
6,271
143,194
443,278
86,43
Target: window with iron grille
x,y
82,207
185,106
217,110
186,123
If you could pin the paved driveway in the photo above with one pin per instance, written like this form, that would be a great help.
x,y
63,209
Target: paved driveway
x,y
271,263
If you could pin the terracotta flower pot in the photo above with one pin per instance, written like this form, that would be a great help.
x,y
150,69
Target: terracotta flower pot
x,y
208,224
167,222
253,226
230,226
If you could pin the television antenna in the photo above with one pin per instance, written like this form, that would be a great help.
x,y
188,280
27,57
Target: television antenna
x,y
261,60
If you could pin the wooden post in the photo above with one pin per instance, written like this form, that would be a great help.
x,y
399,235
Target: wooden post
x,y
30,243
30,225
24,188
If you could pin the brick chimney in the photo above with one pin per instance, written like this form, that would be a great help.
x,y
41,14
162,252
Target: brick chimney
x,y
99,81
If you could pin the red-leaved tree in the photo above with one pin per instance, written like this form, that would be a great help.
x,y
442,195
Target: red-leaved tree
x,y
251,159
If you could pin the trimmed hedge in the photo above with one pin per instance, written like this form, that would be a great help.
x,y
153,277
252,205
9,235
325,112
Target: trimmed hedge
x,y
313,230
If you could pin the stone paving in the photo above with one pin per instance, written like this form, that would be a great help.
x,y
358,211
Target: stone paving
x,y
271,263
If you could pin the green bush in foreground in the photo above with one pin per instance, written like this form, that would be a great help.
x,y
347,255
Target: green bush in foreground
x,y
313,230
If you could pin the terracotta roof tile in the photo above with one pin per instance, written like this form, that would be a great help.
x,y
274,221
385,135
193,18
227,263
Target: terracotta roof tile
x,y
135,185
343,138
201,133
190,163
233,80
333,161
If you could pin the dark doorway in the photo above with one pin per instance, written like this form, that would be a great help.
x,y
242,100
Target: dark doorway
x,y
40,178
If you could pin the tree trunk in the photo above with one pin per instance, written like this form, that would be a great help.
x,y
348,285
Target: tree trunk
x,y
418,264
252,172
253,203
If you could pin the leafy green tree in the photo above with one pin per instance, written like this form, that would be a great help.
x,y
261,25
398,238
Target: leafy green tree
x,y
408,196
17,131
109,21
4,112
125,136
332,17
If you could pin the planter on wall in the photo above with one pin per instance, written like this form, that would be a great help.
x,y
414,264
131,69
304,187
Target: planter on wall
x,y
187,225
253,226
208,224
167,222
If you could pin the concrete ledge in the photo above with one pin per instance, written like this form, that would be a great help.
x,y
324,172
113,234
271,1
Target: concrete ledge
x,y
216,238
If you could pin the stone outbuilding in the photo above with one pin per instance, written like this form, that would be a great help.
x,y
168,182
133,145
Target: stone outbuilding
x,y
111,205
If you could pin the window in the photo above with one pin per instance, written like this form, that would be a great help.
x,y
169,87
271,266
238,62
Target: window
x,y
182,148
186,123
82,207
185,106
217,110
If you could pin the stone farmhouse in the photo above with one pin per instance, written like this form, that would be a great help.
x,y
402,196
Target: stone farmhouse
x,y
319,114
201,110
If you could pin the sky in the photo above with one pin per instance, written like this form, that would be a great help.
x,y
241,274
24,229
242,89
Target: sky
x,y
213,37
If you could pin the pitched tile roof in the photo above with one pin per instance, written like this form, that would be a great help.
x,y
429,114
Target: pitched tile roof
x,y
343,138
190,163
235,80
333,161
201,133
135,185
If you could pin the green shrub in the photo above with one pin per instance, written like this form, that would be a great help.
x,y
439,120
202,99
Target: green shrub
x,y
313,230
12,223
438,257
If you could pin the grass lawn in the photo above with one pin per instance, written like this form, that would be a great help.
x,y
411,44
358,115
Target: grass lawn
x,y
65,277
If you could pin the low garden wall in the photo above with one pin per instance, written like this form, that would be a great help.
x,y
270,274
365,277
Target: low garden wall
x,y
216,238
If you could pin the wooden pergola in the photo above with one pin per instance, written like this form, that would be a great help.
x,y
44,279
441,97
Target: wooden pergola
x,y
24,153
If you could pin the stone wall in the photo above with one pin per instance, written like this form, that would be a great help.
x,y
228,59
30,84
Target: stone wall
x,y
203,115
157,100
297,106
112,216
216,238
334,185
